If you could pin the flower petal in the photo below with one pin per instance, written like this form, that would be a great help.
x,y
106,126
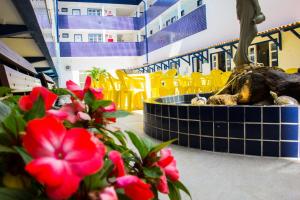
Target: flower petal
x,y
108,193
116,158
162,185
72,86
88,82
25,103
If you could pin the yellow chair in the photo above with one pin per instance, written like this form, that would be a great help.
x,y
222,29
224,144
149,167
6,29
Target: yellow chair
x,y
216,75
225,77
168,87
132,91
183,84
155,83
114,90
207,83
293,70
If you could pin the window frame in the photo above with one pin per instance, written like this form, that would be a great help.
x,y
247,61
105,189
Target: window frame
x,y
65,35
76,10
77,35
98,36
64,10
94,10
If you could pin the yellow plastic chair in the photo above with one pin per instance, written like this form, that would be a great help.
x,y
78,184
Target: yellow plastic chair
x,y
216,76
155,83
207,83
293,70
132,91
114,90
224,78
183,84
168,87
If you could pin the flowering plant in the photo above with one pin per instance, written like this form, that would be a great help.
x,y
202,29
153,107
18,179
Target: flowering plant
x,y
71,152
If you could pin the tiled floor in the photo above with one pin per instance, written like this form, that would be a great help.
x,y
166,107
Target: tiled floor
x,y
213,176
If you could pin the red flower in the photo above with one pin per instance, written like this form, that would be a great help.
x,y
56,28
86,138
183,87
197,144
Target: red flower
x,y
134,188
72,112
26,102
108,193
73,87
99,115
168,163
116,158
62,158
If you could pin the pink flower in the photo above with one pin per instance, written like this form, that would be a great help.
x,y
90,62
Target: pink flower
x,y
72,112
61,158
73,87
134,188
108,193
26,102
108,109
168,163
162,185
116,158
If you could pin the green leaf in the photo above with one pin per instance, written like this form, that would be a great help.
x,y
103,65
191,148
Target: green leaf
x,y
153,172
138,143
100,103
4,111
37,111
174,193
106,169
120,136
4,91
89,98
161,146
116,114
26,157
15,194
14,123
5,149
182,187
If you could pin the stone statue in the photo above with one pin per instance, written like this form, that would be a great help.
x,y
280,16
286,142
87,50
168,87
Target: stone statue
x,y
249,13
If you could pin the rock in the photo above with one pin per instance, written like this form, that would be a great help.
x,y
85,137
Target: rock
x,y
224,99
283,100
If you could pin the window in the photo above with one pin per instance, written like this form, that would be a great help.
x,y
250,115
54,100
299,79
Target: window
x,y
182,13
252,54
94,12
273,54
82,77
64,9
76,12
95,38
199,2
214,61
151,32
173,19
228,61
77,38
65,35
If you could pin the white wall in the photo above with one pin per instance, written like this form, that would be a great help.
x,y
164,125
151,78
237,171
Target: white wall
x,y
223,25
86,63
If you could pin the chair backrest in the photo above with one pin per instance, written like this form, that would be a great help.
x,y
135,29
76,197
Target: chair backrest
x,y
16,72
292,70
123,79
196,79
155,79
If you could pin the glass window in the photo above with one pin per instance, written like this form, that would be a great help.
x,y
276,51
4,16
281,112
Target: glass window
x,y
77,38
273,54
76,12
94,12
82,77
199,2
95,38
182,13
64,9
65,35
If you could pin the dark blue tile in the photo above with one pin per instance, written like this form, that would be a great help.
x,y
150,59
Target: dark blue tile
x,y
158,109
253,114
152,108
158,122
148,108
236,146
221,113
173,111
289,132
221,145
207,128
194,127
253,131
154,132
206,113
236,130
159,134
221,129
152,120
271,132
166,136
183,112
253,148
183,140
271,114
289,114
174,135
289,149
236,114
174,125
194,112
165,123
165,110
183,126
207,143
271,149
194,141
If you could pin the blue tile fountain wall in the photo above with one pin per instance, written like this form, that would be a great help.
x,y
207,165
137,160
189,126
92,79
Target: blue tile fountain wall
x,y
271,131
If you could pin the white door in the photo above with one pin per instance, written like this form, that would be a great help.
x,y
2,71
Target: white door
x,y
77,38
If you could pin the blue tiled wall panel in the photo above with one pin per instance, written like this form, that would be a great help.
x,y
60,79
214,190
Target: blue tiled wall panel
x,y
98,22
88,49
188,25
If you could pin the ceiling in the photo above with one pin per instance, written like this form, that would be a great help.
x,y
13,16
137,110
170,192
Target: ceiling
x,y
131,2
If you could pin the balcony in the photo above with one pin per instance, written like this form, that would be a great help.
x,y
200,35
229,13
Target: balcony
x,y
90,49
98,22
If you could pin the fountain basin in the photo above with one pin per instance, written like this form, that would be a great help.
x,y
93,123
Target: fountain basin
x,y
271,131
